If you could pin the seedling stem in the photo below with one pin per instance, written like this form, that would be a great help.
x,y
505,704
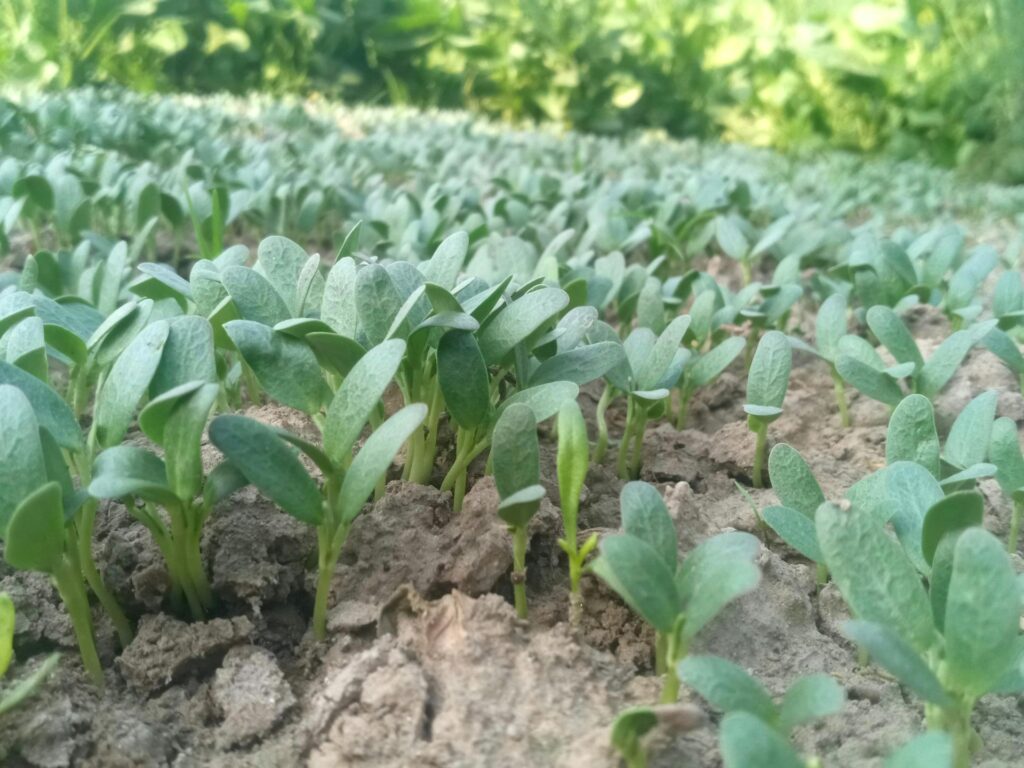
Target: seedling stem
x,y
519,568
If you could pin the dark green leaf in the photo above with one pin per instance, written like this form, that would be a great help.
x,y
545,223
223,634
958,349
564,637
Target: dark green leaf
x,y
34,538
748,742
912,436
726,686
895,655
22,465
644,516
793,480
632,568
284,366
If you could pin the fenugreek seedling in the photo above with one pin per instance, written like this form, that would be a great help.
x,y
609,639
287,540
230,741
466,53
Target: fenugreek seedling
x,y
960,301
265,457
951,644
516,458
859,364
573,460
800,496
37,514
701,370
9,699
767,383
677,598
830,327
762,736
1004,451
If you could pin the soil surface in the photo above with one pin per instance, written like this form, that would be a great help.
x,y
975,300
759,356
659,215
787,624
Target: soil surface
x,y
426,664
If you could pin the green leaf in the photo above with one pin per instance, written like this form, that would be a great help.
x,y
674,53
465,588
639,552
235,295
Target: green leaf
x,y
444,266
34,539
1005,453
877,580
514,450
377,301
830,326
374,458
747,742
222,481
284,366
715,573
944,361
338,308
968,440
580,365
955,512
891,331
309,290
911,490
572,462
768,378
1002,346
27,686
911,435
793,480
128,382
872,382
982,614
644,516
544,399
176,421
933,749
253,296
53,414
649,375
518,321
518,508
809,698
25,346
730,237
281,261
187,355
893,653
336,352
262,457
357,396
796,529
22,465
127,470
726,686
632,568
713,363
462,376
629,728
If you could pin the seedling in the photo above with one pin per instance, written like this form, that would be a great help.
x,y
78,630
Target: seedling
x,y
702,370
24,688
677,598
960,301
632,725
800,495
767,383
265,457
830,327
859,364
37,508
762,736
1005,453
951,644
516,458
573,460
933,749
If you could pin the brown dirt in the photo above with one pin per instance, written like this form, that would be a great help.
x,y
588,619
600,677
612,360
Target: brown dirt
x,y
426,664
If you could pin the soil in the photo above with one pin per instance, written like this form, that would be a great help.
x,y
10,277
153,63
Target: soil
x,y
426,663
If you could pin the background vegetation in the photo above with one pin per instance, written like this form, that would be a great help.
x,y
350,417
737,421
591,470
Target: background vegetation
x,y
912,77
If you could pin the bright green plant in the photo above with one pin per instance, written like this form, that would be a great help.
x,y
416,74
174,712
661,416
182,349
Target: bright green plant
x,y
516,458
37,513
767,383
573,461
265,457
950,644
762,736
24,688
677,598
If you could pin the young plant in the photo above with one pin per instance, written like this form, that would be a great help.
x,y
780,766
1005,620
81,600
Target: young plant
x,y
633,724
573,460
678,599
830,327
800,496
702,370
265,457
951,644
1004,451
932,749
24,688
37,514
762,736
767,383
516,458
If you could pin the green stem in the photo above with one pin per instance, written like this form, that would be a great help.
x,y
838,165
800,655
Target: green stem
x,y
637,458
622,464
575,593
602,425
746,270
1011,541
178,547
69,582
86,522
821,576
684,408
759,450
329,544
840,389
660,650
459,493
519,569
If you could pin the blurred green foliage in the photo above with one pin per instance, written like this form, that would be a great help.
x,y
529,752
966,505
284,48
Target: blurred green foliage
x,y
938,77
